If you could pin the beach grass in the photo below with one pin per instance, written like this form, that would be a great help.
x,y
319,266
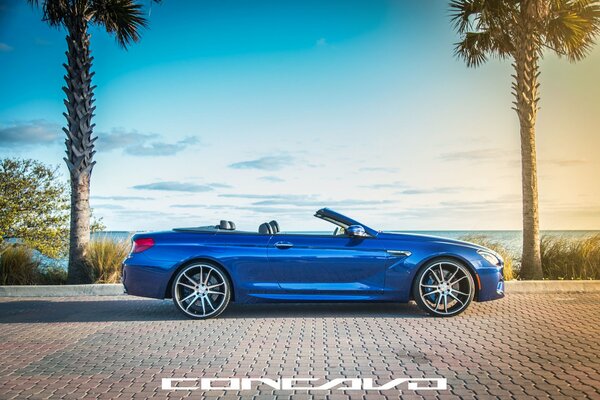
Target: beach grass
x,y
568,258
104,258
18,265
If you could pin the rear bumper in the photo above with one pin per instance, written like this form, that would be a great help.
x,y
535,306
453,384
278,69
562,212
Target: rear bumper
x,y
145,281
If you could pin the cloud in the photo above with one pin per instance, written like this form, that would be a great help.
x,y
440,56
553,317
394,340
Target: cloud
x,y
260,196
218,185
4,48
268,163
271,178
173,186
475,155
321,42
108,206
32,133
390,185
432,190
379,169
564,162
251,208
123,198
320,203
303,200
141,144
161,148
504,201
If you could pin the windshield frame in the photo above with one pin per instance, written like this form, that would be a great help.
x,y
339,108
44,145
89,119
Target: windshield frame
x,y
341,220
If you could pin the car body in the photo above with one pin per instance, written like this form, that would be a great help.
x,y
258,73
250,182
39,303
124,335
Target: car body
x,y
354,263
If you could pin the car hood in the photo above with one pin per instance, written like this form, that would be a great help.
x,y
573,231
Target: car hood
x,y
427,238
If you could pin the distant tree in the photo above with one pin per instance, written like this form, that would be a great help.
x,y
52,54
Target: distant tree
x,y
34,206
123,19
522,30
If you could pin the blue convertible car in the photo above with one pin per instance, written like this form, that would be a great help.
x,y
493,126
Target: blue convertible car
x,y
205,268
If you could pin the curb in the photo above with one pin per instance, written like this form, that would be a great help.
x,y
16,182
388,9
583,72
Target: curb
x,y
512,287
552,286
104,289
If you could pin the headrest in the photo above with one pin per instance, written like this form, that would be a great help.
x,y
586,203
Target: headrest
x,y
265,229
275,226
226,225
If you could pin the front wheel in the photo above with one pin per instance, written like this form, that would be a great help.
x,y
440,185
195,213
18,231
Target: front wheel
x,y
201,291
444,288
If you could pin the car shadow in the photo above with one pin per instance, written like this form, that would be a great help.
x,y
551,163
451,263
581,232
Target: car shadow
x,y
114,310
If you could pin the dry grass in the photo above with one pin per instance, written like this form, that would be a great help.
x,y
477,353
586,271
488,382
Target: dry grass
x,y
18,265
104,258
564,258
509,258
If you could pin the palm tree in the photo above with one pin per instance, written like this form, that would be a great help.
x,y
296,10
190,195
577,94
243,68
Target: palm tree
x,y
123,19
522,30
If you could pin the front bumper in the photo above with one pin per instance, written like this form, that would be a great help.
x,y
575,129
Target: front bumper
x,y
491,283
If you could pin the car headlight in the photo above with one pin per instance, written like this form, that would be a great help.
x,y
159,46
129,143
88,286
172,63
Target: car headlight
x,y
491,257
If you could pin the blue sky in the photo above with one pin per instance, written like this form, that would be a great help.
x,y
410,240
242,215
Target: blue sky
x,y
254,110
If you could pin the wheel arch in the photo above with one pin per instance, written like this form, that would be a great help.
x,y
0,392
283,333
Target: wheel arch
x,y
168,289
455,258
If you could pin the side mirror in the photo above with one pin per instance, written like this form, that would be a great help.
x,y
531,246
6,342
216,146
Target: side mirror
x,y
356,231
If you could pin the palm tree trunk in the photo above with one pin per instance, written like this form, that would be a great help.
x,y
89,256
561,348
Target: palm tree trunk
x,y
525,90
80,144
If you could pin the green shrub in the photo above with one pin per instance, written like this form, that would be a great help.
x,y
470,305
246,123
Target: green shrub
x,y
509,258
104,258
18,265
568,258
51,275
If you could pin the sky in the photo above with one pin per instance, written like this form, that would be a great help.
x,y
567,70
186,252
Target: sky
x,y
258,110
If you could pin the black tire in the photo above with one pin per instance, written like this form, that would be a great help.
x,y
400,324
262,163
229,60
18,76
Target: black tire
x,y
201,290
443,287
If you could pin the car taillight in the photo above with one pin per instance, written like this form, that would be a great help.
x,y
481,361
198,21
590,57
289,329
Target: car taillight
x,y
142,244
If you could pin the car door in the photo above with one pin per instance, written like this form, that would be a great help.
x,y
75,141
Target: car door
x,y
328,267
245,257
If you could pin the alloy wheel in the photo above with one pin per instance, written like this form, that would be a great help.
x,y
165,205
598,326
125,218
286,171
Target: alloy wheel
x,y
445,288
201,291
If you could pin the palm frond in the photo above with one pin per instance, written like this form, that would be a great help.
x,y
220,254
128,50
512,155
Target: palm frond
x,y
472,48
54,11
485,27
573,27
123,18
461,13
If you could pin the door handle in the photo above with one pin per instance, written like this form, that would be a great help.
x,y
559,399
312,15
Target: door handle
x,y
283,245
399,253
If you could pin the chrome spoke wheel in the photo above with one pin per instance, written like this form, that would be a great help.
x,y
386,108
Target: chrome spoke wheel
x,y
445,288
201,290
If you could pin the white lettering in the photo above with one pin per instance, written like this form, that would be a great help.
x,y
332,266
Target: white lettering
x,y
206,383
167,384
288,384
247,383
441,384
356,384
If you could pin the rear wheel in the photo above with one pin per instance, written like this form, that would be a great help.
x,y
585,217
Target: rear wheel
x,y
444,288
201,290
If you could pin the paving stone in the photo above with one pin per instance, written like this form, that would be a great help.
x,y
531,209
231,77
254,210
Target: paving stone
x,y
524,346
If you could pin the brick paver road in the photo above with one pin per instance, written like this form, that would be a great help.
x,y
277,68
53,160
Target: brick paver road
x,y
524,346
